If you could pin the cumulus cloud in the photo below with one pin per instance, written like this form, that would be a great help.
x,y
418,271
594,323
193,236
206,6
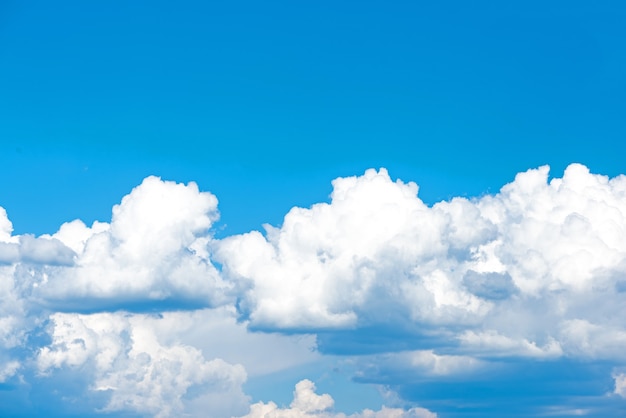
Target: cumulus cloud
x,y
327,265
154,249
416,292
503,274
308,404
125,358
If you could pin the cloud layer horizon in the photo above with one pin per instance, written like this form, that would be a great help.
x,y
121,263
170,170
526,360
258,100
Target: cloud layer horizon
x,y
151,315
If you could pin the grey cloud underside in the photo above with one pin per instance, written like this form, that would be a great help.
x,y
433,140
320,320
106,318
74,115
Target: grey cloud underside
x,y
468,287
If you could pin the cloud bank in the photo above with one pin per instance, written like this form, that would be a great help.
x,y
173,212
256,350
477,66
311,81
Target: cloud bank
x,y
518,273
404,292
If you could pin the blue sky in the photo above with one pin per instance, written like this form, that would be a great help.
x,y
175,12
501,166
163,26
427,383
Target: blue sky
x,y
375,292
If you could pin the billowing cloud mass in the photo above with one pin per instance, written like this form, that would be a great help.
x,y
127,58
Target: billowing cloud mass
x,y
159,318
154,249
535,270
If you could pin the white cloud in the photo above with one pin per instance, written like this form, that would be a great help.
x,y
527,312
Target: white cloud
x,y
503,274
154,249
534,271
491,343
8,369
582,338
142,374
308,404
12,309
167,364
407,366
6,227
563,234
620,384
9,253
306,400
48,251
376,242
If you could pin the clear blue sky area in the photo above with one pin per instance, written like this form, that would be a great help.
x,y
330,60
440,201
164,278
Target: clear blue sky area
x,y
269,101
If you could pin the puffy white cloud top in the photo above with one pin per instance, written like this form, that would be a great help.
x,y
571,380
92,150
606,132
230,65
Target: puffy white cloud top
x,y
154,249
518,273
406,291
308,404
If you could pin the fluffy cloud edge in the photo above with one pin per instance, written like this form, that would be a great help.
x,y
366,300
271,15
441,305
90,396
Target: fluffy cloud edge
x,y
308,404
